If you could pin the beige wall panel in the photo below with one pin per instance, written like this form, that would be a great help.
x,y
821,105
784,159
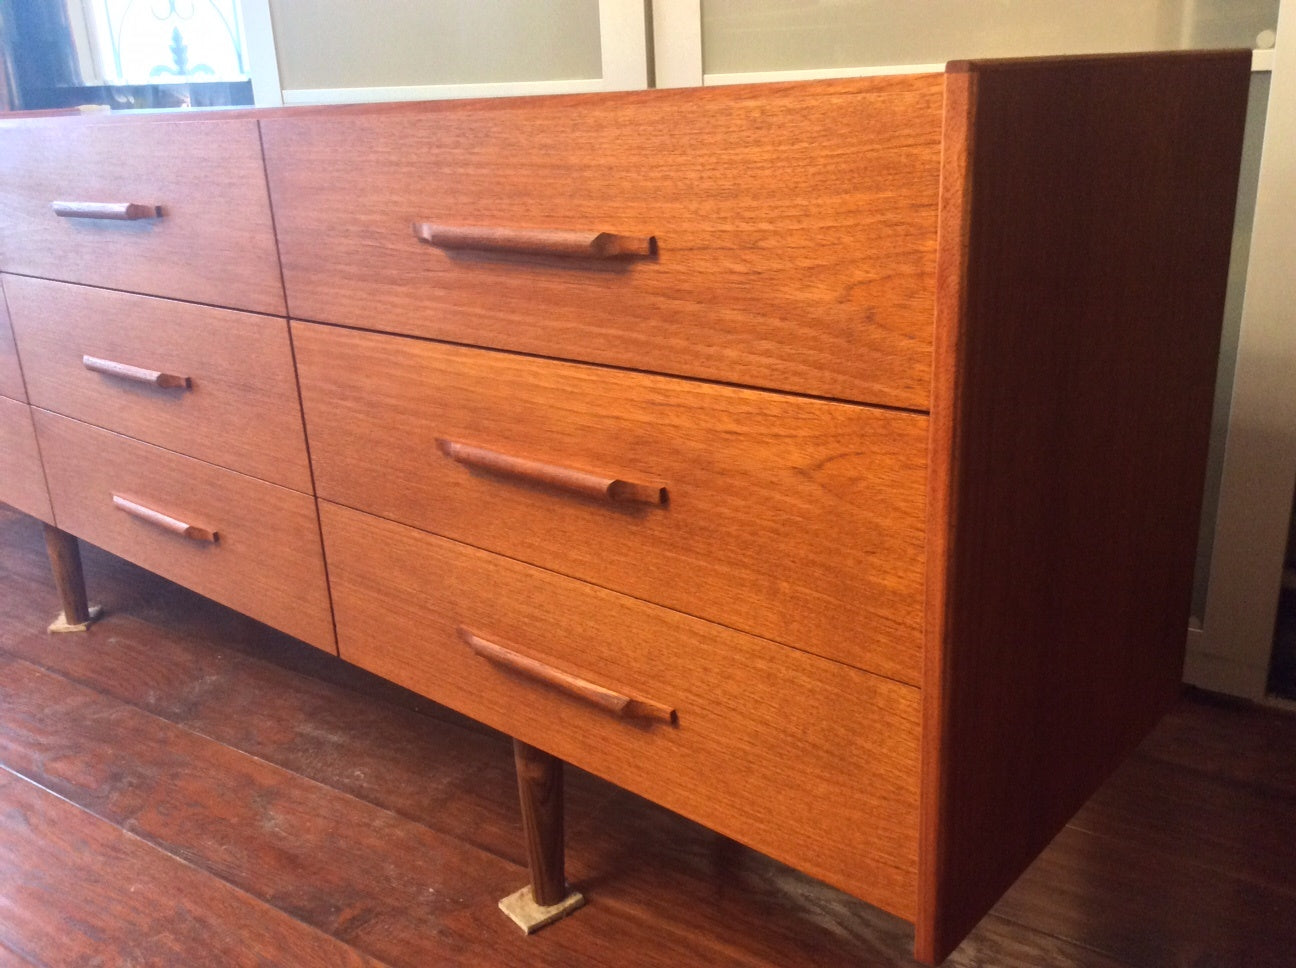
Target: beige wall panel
x,y
396,43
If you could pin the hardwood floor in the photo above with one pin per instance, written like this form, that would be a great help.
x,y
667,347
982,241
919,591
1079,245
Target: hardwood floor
x,y
182,786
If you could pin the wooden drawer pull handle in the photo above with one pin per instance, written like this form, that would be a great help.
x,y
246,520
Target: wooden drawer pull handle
x,y
564,478
136,374
115,211
164,521
613,702
577,245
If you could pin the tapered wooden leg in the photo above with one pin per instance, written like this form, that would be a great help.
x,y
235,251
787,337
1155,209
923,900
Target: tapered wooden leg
x,y
540,789
65,560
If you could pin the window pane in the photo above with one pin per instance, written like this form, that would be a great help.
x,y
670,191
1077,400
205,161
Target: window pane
x,y
740,36
397,43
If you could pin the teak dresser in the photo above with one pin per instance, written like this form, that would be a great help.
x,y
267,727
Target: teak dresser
x,y
822,461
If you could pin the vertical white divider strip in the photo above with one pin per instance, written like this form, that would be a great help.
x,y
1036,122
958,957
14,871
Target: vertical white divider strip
x,y
677,42
263,61
623,40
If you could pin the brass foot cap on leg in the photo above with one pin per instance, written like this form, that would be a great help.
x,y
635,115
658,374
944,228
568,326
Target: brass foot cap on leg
x,y
60,624
530,916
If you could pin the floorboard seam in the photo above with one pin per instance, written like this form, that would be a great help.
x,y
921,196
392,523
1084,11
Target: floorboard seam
x,y
1074,942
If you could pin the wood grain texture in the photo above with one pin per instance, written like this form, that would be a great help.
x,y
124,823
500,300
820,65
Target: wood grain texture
x,y
65,562
241,410
540,791
11,379
214,242
753,756
1071,408
268,562
795,228
799,520
1194,916
73,885
1187,816
22,481
1229,740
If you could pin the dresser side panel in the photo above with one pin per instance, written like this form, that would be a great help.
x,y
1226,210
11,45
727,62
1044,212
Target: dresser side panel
x,y
1075,373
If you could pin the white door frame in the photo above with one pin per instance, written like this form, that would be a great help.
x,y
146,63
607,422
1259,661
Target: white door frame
x,y
1232,650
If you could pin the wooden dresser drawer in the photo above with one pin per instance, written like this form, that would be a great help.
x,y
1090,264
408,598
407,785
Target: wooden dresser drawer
x,y
795,228
232,397
136,501
797,756
800,520
213,242
22,482
11,380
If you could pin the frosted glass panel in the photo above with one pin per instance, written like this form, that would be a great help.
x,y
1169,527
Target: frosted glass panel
x,y
1256,108
398,43
741,36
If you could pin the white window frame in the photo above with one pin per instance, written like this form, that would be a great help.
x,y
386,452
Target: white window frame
x,y
623,43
